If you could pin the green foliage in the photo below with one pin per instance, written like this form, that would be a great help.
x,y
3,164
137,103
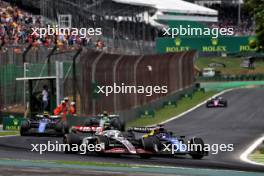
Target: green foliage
x,y
256,8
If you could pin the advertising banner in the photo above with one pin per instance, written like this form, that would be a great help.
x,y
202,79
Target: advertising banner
x,y
207,44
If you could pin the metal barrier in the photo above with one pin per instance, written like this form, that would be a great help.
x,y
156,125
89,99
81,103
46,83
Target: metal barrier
x,y
174,70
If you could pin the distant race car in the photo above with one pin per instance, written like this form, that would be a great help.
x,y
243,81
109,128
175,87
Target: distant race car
x,y
113,122
146,146
216,102
45,125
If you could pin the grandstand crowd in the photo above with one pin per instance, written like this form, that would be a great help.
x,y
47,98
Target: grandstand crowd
x,y
16,29
228,17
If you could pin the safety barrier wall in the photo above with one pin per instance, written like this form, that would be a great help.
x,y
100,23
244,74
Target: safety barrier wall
x,y
12,67
174,70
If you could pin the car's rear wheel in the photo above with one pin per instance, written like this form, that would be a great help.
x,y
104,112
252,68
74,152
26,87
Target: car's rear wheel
x,y
118,124
73,141
199,153
24,127
62,127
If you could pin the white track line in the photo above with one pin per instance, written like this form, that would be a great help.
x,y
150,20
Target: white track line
x,y
244,155
193,108
9,136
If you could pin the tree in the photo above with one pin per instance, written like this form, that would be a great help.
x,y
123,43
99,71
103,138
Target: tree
x,y
256,8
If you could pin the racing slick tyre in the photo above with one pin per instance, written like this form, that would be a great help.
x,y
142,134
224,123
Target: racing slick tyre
x,y
74,141
225,104
118,124
66,128
151,143
62,127
103,140
24,127
199,154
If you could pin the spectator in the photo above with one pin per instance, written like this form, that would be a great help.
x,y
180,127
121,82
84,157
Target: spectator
x,y
45,98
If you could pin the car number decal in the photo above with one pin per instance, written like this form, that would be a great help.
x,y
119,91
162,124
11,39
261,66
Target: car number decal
x,y
42,127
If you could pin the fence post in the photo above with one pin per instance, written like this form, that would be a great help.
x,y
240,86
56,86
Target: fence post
x,y
74,75
48,59
25,52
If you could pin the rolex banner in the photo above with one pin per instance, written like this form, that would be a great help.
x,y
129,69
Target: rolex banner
x,y
207,44
12,123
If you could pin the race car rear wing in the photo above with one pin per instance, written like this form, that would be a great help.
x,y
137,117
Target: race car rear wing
x,y
142,129
110,116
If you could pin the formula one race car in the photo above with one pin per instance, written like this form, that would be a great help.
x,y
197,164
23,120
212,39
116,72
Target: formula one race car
x,y
159,141
154,143
106,121
112,142
216,102
45,125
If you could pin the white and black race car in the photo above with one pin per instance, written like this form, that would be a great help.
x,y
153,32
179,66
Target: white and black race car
x,y
111,142
216,102
112,121
44,125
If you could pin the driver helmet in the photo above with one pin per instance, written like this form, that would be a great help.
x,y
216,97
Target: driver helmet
x,y
46,114
66,99
105,113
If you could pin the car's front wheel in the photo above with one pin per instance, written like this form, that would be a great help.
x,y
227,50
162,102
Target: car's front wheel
x,y
73,142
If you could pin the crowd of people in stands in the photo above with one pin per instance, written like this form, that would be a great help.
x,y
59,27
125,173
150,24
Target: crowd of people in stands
x,y
228,17
16,29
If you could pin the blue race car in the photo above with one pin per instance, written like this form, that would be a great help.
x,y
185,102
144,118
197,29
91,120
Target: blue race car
x,y
159,141
44,125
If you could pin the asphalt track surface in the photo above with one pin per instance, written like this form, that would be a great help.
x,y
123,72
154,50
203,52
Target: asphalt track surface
x,y
239,124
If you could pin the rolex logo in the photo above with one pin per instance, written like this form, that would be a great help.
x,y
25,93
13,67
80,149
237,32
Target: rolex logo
x,y
178,42
15,121
214,41
252,42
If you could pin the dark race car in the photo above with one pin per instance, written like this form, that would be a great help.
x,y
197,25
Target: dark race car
x,y
161,142
44,125
216,102
108,122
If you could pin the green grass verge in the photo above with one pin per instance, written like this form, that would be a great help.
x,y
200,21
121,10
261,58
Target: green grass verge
x,y
258,156
79,163
166,113
8,133
232,65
